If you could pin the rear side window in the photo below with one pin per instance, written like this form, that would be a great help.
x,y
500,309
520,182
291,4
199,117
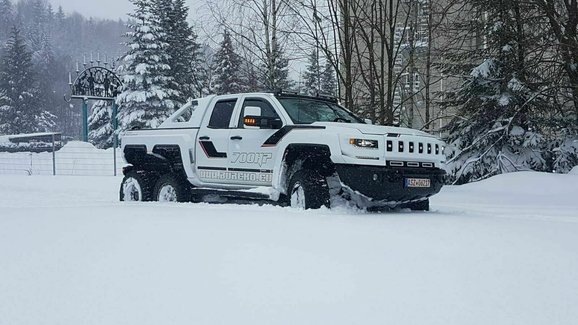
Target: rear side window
x,y
222,114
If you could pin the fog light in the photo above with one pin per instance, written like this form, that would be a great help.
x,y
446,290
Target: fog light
x,y
375,177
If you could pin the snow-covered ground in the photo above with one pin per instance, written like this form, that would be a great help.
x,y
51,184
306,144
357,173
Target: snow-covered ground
x,y
502,251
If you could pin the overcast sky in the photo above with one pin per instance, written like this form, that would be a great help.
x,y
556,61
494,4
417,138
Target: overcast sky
x,y
112,9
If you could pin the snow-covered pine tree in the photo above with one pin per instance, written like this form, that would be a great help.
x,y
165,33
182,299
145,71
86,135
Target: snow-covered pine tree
x,y
4,111
226,67
494,130
185,57
312,75
5,19
145,100
21,112
328,80
47,67
100,132
189,66
251,78
276,71
281,77
162,11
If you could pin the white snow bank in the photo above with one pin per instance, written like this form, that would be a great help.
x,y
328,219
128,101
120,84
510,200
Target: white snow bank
x,y
71,254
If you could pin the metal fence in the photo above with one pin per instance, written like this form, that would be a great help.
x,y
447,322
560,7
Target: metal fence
x,y
75,158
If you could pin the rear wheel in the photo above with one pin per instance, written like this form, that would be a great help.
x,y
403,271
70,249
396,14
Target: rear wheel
x,y
308,190
172,188
135,186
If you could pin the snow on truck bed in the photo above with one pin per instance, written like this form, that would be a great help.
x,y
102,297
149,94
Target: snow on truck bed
x,y
501,251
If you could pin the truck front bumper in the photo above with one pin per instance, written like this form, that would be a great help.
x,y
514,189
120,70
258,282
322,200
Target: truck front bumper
x,y
389,183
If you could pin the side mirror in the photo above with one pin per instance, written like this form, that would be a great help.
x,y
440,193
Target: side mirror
x,y
368,121
252,110
262,122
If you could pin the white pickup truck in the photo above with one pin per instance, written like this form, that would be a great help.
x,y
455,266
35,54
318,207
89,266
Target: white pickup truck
x,y
297,150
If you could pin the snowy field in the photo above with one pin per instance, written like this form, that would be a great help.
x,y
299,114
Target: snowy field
x,y
502,251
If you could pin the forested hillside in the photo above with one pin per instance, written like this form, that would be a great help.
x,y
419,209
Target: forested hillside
x,y
55,41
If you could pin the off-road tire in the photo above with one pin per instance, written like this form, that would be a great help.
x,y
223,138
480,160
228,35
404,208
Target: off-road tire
x,y
172,188
314,187
138,184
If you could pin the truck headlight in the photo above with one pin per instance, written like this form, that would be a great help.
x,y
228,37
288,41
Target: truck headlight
x,y
364,143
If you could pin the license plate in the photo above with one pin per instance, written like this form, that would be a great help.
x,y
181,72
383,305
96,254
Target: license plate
x,y
417,182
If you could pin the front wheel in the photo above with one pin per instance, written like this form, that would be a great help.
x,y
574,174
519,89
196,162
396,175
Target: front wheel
x,y
172,188
135,186
308,190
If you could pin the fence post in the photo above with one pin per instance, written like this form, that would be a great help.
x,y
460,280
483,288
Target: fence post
x,y
115,135
53,155
85,119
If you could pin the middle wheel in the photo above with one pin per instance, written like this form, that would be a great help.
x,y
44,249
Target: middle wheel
x,y
308,190
172,188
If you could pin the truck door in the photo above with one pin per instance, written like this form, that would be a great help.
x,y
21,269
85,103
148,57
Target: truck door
x,y
250,162
213,141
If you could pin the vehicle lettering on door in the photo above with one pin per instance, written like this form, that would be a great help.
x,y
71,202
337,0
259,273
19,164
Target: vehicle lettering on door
x,y
252,158
255,177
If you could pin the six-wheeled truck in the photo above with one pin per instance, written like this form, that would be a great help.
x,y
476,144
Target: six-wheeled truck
x,y
297,150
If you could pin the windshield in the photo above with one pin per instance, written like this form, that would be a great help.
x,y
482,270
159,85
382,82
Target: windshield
x,y
307,111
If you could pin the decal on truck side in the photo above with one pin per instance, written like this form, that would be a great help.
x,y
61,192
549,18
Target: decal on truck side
x,y
257,158
211,151
246,175
277,136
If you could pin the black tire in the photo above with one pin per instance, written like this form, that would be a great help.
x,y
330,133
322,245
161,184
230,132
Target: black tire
x,y
419,205
172,188
136,186
315,192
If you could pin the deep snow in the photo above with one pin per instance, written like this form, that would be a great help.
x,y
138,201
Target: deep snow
x,y
501,251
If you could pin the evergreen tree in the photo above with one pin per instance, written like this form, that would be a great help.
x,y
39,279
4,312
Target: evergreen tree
x,y
328,80
188,57
21,111
5,111
60,16
312,76
145,100
227,64
251,78
275,71
280,78
6,19
100,125
182,47
496,127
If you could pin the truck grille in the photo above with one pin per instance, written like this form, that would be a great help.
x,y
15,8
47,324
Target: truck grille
x,y
401,146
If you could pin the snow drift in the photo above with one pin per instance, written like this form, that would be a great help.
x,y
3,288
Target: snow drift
x,y
500,251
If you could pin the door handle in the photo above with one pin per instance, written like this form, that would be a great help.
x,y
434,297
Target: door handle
x,y
204,138
237,137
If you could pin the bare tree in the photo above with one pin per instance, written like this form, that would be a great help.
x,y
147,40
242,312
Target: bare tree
x,y
563,18
260,28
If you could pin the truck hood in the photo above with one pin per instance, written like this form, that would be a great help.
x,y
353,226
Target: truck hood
x,y
373,129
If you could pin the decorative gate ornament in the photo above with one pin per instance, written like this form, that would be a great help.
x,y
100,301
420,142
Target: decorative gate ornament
x,y
96,83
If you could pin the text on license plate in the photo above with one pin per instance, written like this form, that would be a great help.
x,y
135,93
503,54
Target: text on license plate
x,y
417,182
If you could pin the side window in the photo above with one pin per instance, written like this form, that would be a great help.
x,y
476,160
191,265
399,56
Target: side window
x,y
222,114
186,112
266,109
